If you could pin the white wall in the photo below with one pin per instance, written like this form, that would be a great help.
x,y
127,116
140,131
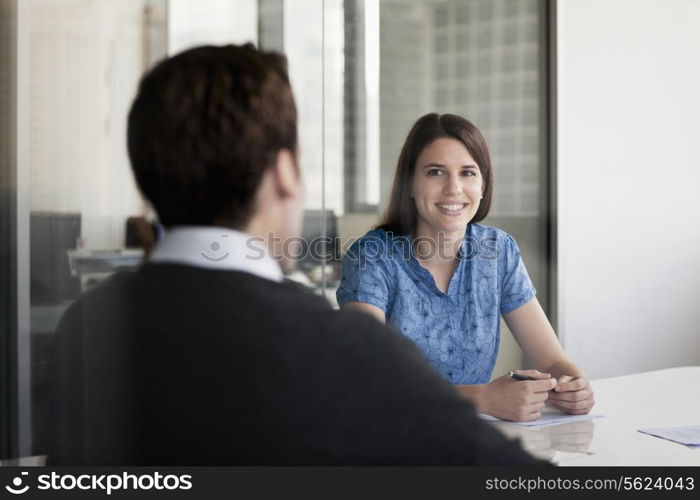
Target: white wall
x,y
215,22
628,181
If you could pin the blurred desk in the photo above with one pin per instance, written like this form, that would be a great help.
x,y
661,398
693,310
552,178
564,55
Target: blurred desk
x,y
663,398
93,266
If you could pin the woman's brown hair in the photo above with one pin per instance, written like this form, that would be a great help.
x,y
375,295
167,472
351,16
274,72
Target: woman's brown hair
x,y
401,215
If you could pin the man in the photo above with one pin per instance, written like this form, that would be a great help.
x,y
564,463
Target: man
x,y
204,355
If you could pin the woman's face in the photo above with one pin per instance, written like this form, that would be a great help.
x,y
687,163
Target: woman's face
x,y
447,187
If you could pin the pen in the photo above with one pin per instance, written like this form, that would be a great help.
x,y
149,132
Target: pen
x,y
516,376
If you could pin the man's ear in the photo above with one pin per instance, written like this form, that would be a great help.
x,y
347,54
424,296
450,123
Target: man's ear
x,y
287,177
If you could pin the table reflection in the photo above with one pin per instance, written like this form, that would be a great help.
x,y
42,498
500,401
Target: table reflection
x,y
545,442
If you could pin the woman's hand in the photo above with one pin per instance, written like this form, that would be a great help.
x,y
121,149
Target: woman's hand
x,y
572,395
518,401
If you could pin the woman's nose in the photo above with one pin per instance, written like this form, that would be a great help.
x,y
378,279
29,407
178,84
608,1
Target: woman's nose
x,y
453,185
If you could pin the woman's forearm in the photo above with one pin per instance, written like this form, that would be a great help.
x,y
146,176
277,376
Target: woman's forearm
x,y
564,367
474,393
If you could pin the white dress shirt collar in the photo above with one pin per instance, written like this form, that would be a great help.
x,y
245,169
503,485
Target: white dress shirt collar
x,y
216,248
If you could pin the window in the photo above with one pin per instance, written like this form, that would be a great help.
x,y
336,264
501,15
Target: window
x,y
362,70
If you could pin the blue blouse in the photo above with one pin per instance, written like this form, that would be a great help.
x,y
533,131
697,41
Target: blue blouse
x,y
458,331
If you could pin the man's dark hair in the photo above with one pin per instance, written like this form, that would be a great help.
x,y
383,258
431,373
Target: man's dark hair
x,y
204,127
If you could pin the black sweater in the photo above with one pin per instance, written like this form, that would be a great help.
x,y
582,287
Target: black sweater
x,y
178,365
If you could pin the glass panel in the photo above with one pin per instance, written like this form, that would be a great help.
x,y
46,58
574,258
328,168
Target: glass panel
x,y
8,286
85,61
313,43
494,80
362,70
87,217
476,58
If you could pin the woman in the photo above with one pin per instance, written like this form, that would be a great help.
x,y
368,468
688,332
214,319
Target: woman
x,y
443,280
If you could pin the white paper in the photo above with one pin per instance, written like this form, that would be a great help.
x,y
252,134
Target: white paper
x,y
549,416
689,436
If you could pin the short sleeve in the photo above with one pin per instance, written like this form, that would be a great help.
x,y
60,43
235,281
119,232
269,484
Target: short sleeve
x,y
364,275
516,287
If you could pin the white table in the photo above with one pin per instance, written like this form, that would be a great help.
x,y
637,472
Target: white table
x,y
663,398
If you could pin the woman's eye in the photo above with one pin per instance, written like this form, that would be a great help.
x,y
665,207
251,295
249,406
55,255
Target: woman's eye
x,y
434,171
468,173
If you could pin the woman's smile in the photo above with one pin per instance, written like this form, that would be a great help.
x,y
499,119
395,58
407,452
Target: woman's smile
x,y
452,209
